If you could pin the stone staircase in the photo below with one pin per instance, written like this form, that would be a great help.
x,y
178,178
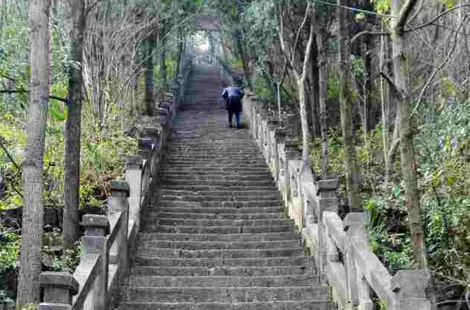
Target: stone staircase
x,y
216,237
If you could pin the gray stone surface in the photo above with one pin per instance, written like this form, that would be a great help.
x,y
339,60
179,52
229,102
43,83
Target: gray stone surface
x,y
215,237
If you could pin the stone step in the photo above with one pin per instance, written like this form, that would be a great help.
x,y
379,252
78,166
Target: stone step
x,y
213,174
266,199
167,207
224,294
214,216
213,156
222,262
216,229
209,245
258,271
229,164
219,181
261,237
223,281
215,170
216,204
221,253
221,193
215,187
184,152
268,305
217,222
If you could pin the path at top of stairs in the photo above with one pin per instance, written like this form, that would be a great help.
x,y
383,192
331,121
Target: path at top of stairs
x,y
216,239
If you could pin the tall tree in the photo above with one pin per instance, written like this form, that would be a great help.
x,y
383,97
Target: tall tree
x,y
407,127
321,36
71,232
40,83
149,82
352,181
300,75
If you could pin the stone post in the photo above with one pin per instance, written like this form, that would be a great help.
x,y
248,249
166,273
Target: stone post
x,y
134,179
327,201
145,146
94,242
59,288
409,287
153,133
118,203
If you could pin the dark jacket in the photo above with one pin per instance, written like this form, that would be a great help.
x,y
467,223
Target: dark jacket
x,y
233,97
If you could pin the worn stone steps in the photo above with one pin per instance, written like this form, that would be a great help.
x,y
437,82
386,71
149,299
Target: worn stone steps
x,y
256,271
260,237
222,193
215,204
214,216
213,174
216,237
224,294
215,229
300,260
223,281
260,198
216,187
220,181
209,245
270,305
198,208
218,222
220,253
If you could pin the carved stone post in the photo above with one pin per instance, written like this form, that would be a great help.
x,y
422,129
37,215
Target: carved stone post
x,y
134,178
59,288
145,146
118,203
327,200
94,242
409,287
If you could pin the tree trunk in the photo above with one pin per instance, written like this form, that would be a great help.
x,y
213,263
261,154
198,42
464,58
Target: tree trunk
x,y
323,97
314,98
163,71
303,119
346,110
407,131
149,83
40,83
246,68
71,232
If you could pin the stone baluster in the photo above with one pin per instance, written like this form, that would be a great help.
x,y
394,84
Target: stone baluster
x,y
59,289
327,201
118,203
94,242
145,146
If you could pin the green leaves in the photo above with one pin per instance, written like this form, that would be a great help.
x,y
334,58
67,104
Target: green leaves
x,y
58,110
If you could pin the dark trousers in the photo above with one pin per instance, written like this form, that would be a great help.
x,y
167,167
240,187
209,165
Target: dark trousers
x,y
237,118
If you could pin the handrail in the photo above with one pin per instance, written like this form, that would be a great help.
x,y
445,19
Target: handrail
x,y
340,248
108,240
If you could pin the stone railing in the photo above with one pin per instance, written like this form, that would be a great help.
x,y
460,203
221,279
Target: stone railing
x,y
340,248
108,240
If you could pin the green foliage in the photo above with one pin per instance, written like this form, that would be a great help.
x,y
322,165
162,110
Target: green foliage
x,y
9,251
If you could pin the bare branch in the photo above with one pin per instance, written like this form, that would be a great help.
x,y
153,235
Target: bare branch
x,y
307,13
370,33
8,153
405,12
24,91
441,65
437,17
392,83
